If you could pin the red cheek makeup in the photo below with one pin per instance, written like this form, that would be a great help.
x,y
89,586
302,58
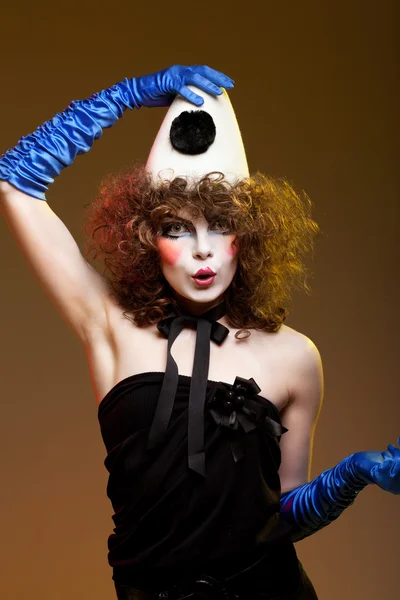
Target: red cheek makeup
x,y
232,248
168,251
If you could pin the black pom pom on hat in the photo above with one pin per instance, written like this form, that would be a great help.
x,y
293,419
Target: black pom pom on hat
x,y
192,132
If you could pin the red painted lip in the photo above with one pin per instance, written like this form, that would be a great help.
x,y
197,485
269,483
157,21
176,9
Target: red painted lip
x,y
205,282
206,271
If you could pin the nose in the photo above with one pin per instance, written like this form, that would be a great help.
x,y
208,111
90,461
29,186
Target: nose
x,y
202,246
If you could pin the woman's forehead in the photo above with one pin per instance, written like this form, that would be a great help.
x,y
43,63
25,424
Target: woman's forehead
x,y
190,214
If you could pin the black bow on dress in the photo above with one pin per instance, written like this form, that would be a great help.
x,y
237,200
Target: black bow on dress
x,y
239,404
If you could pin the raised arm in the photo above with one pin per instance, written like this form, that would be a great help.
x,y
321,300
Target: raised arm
x,y
76,289
79,293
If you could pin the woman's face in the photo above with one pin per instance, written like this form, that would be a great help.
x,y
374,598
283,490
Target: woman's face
x,y
187,244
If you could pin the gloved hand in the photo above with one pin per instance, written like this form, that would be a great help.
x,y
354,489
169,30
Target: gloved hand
x,y
41,156
381,468
160,89
314,505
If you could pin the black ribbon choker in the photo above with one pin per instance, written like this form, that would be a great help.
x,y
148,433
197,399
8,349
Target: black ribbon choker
x,y
207,328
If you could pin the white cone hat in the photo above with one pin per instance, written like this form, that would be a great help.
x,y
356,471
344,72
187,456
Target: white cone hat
x,y
194,140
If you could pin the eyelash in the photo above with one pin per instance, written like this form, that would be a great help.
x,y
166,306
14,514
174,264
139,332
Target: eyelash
x,y
175,237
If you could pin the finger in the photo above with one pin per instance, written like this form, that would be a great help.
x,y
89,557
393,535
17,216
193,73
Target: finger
x,y
387,460
215,76
191,96
388,456
394,450
204,84
388,451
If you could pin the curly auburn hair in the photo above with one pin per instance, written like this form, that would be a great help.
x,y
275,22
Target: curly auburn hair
x,y
272,223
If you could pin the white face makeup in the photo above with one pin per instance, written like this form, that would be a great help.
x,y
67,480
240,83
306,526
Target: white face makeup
x,y
186,247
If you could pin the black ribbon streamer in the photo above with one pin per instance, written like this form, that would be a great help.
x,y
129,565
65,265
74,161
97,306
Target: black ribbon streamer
x,y
207,328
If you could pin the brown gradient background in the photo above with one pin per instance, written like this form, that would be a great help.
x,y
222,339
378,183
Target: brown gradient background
x,y
316,101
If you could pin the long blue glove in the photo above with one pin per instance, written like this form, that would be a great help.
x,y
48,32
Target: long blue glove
x,y
39,157
314,505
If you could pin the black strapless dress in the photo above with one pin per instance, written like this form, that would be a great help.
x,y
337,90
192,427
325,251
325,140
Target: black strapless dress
x,y
172,523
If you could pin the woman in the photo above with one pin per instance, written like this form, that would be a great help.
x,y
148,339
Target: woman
x,y
209,434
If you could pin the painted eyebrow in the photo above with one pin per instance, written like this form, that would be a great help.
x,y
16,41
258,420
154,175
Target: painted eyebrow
x,y
169,220
173,219
181,219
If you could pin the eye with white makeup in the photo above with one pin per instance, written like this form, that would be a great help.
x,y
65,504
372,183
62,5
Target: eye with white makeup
x,y
168,228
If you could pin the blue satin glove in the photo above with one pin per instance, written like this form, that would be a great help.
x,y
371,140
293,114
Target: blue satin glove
x,y
314,505
160,89
39,157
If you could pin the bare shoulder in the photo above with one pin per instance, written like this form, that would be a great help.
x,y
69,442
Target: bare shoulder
x,y
298,355
304,366
299,346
